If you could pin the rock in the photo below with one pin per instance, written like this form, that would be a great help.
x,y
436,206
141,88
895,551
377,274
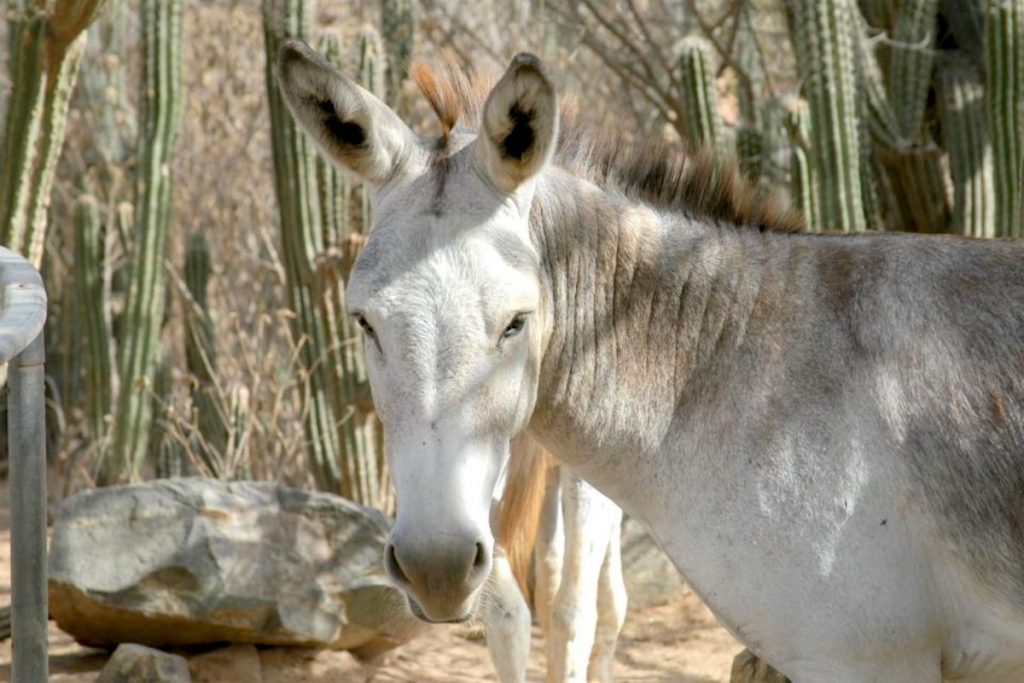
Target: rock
x,y
132,663
292,665
196,561
748,668
650,576
234,663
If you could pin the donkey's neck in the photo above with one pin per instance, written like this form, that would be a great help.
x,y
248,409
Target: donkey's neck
x,y
644,307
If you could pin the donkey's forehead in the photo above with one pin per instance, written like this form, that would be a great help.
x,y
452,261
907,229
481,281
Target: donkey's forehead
x,y
489,276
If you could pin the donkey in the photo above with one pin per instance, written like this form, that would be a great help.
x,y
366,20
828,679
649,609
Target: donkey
x,y
825,433
574,533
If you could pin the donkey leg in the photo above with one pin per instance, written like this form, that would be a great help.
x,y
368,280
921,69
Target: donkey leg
x,y
574,618
507,623
611,602
549,550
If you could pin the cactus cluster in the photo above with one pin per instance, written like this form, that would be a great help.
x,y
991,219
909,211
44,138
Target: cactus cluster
x,y
908,134
144,306
47,47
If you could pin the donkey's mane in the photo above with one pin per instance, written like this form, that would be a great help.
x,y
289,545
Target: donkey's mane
x,y
699,184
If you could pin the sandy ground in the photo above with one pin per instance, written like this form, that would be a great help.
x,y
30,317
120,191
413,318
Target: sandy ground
x,y
669,636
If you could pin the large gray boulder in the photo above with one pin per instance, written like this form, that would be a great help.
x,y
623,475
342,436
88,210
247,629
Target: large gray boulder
x,y
196,561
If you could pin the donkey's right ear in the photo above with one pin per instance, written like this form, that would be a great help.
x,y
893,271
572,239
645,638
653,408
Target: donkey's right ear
x,y
349,124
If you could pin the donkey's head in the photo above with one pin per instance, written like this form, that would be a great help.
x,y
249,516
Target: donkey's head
x,y
448,293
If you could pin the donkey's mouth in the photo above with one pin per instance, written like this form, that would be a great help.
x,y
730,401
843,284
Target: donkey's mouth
x,y
418,612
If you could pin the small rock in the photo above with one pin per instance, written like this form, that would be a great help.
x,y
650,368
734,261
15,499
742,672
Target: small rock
x,y
186,562
651,578
234,663
749,668
132,663
293,665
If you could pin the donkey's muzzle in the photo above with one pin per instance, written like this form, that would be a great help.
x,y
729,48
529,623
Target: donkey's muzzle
x,y
441,578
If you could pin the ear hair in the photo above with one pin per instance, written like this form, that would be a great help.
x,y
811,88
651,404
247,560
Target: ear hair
x,y
520,124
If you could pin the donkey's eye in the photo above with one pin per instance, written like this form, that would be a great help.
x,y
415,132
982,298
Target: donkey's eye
x,y
365,325
514,327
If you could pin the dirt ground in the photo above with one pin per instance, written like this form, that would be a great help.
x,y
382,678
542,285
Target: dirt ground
x,y
669,635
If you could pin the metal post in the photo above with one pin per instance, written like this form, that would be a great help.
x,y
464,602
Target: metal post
x,y
22,314
26,429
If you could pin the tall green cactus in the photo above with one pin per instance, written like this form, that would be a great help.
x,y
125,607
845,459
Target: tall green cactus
x,y
201,355
92,286
700,98
822,42
398,30
910,67
302,239
47,44
372,76
804,180
161,119
1004,67
363,473
965,129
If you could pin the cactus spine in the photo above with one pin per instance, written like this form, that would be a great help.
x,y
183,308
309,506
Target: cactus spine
x,y
965,128
201,355
398,29
822,40
144,307
700,99
46,50
1004,66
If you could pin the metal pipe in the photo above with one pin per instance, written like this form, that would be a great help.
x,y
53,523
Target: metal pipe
x,y
26,433
22,315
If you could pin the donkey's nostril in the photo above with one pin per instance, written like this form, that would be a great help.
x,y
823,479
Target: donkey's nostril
x,y
480,561
393,566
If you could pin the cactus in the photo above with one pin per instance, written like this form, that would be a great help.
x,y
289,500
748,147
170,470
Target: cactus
x,y
910,66
750,150
361,463
966,19
965,129
1004,66
823,43
398,29
802,171
201,355
911,159
47,45
700,99
165,451
144,307
92,285
372,70
302,238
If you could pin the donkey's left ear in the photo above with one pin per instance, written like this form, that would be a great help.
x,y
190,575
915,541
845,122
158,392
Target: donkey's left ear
x,y
519,129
